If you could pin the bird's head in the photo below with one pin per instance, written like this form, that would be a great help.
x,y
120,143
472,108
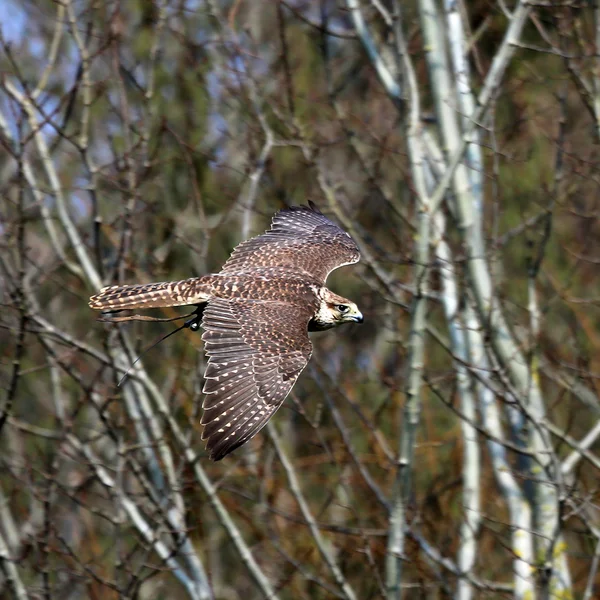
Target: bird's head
x,y
334,310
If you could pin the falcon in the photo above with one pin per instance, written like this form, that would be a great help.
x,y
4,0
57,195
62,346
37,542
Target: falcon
x,y
256,315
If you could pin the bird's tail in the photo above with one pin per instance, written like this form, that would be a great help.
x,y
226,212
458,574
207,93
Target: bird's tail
x,y
151,295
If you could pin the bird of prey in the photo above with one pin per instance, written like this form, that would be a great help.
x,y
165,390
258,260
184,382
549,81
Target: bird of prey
x,y
256,315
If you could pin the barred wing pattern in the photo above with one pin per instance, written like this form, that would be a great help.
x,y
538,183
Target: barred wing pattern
x,y
302,240
257,350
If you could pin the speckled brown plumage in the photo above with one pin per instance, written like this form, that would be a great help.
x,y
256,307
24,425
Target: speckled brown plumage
x,y
258,311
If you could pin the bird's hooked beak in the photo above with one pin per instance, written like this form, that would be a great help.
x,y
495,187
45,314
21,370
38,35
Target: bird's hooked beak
x,y
355,315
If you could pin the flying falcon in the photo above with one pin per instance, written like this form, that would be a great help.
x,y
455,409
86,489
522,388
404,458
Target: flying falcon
x,y
256,315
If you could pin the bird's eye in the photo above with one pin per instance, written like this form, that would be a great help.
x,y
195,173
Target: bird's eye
x,y
343,308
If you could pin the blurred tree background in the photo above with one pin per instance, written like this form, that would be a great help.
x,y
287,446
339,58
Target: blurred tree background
x,y
447,447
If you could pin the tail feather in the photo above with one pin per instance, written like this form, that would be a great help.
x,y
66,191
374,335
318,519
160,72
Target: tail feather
x,y
151,295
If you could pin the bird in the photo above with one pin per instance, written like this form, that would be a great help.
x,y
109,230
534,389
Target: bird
x,y
256,314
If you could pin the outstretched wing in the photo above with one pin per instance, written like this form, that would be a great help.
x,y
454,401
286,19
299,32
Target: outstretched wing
x,y
256,350
301,238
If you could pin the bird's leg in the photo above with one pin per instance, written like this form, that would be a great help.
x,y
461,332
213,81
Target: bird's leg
x,y
104,318
194,322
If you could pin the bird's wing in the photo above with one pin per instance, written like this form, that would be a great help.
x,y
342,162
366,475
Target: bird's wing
x,y
256,350
302,239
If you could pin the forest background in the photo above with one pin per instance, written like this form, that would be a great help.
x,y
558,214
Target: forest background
x,y
447,448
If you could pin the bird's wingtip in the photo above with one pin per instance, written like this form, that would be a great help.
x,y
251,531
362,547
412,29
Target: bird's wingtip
x,y
310,206
314,207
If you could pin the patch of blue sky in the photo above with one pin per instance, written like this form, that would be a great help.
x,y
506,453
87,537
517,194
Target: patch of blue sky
x,y
13,22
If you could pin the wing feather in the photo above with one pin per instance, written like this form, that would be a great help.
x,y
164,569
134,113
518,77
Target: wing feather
x,y
256,352
301,239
